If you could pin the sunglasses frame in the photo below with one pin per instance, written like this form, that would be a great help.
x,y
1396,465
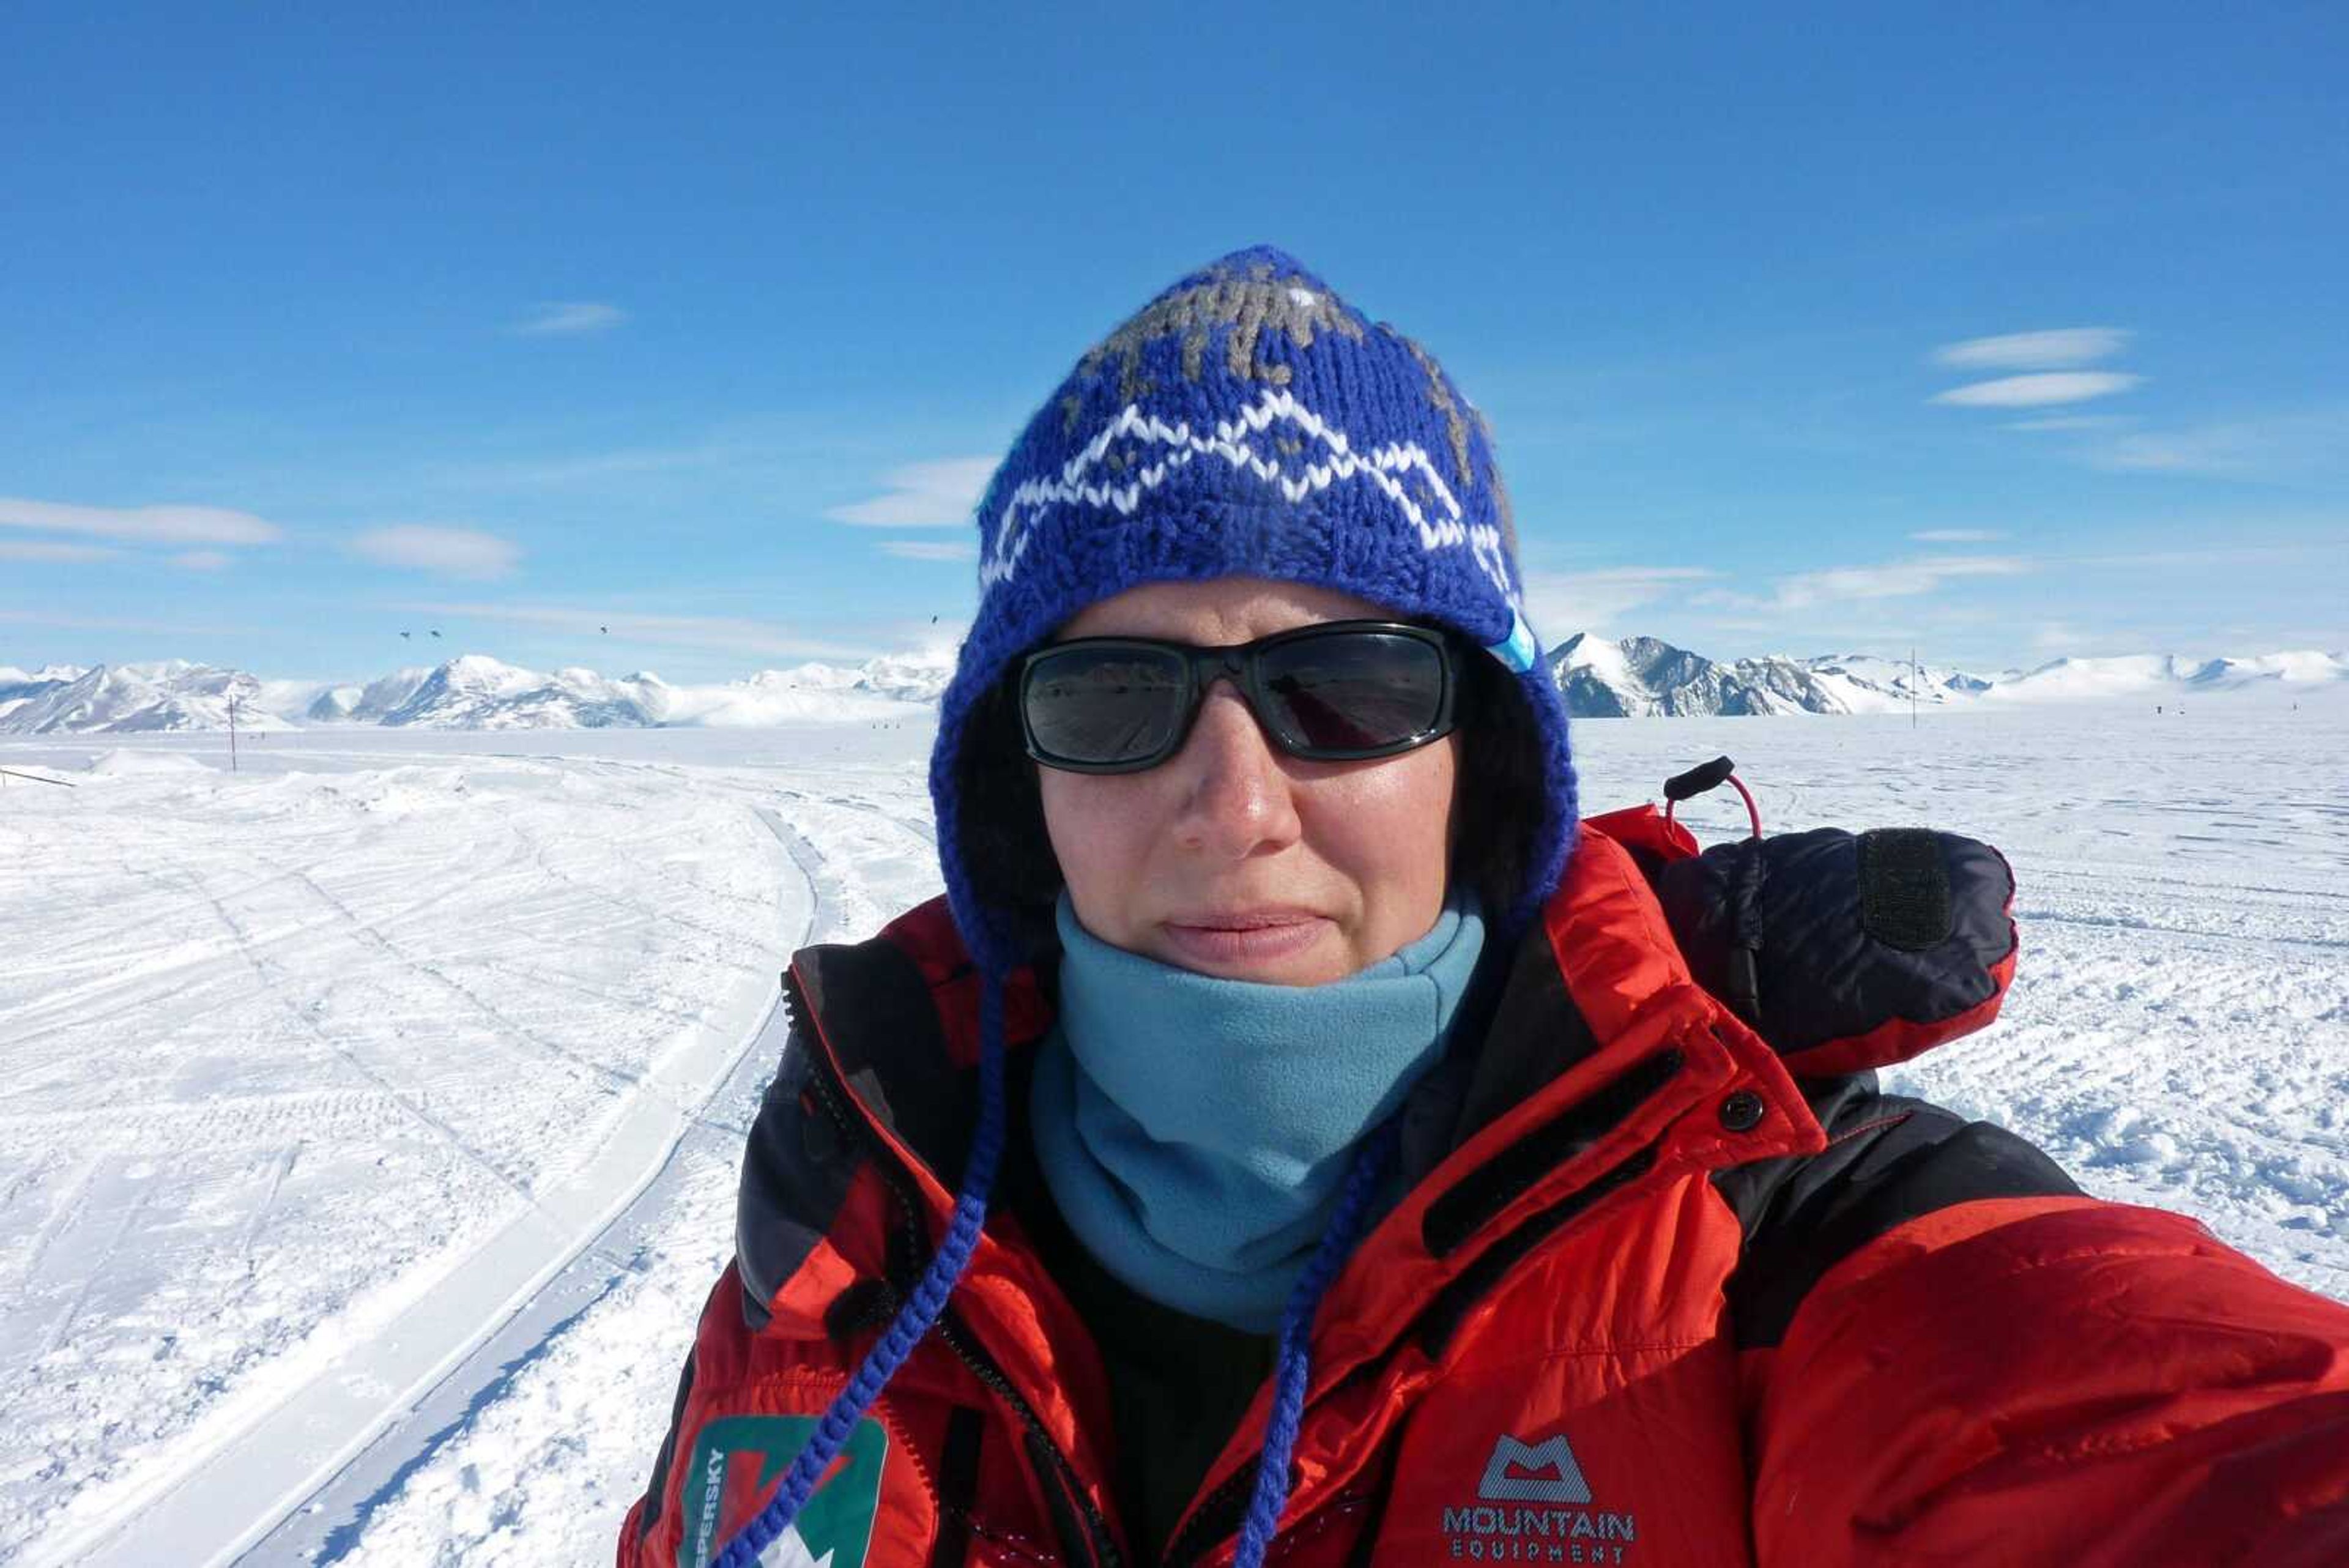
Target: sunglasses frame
x,y
1240,663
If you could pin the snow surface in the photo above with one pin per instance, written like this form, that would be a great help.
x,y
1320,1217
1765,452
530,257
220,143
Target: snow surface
x,y
373,1113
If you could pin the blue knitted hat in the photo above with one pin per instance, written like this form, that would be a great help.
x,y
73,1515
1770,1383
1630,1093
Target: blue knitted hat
x,y
1247,421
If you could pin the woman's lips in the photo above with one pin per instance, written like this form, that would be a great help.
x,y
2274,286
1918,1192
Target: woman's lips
x,y
1247,939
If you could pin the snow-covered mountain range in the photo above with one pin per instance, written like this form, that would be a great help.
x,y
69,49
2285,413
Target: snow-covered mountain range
x,y
1634,676
1643,677
470,692
1640,677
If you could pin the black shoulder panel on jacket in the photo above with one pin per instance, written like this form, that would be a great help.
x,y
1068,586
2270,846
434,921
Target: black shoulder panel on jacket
x,y
874,1006
1820,936
1889,1160
797,1164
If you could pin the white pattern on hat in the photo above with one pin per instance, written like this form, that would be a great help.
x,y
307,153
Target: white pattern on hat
x,y
1232,443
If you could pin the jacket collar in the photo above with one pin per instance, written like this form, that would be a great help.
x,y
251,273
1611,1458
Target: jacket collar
x,y
1599,1042
1625,1074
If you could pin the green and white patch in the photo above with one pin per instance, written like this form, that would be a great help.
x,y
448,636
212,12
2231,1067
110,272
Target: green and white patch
x,y
834,1530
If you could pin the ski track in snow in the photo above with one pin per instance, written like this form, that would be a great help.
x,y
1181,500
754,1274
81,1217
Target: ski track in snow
x,y
282,1045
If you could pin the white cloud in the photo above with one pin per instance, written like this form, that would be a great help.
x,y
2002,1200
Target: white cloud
x,y
571,318
51,550
940,494
2326,549
2070,422
148,524
2063,346
455,552
724,632
2270,447
930,549
201,560
86,623
2034,392
1891,579
1956,535
1561,604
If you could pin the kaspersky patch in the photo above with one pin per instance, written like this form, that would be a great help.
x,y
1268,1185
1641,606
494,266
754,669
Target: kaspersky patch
x,y
737,1460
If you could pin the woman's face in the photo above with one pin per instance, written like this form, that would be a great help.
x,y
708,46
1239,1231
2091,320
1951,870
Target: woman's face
x,y
1232,858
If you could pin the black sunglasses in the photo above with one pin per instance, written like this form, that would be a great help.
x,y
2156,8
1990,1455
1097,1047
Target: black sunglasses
x,y
1337,691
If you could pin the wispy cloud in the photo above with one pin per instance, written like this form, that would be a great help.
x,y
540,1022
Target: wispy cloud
x,y
2071,422
201,560
930,549
727,633
2326,547
51,550
2275,447
570,318
1890,579
145,524
586,468
103,623
940,494
2053,350
453,552
2037,391
762,450
1956,535
1563,603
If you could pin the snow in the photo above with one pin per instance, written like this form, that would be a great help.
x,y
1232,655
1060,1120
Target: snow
x,y
138,697
2171,676
1603,657
122,762
370,1133
470,692
1644,677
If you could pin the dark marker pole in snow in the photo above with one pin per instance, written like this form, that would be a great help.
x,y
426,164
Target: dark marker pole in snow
x,y
231,731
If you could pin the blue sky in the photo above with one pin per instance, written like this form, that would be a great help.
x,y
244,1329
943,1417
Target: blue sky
x,y
328,321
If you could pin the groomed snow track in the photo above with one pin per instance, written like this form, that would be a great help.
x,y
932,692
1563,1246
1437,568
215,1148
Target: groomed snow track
x,y
298,1481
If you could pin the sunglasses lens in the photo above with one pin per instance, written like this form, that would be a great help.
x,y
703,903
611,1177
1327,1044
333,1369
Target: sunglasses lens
x,y
1353,691
1104,706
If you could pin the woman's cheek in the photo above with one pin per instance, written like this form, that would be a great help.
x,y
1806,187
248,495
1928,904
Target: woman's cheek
x,y
1101,837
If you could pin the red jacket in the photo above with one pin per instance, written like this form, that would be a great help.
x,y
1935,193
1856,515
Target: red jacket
x,y
1666,1308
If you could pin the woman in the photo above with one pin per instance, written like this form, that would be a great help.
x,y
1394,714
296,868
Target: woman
x,y
1350,1168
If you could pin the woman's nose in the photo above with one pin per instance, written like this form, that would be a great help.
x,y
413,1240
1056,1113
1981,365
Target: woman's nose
x,y
1237,799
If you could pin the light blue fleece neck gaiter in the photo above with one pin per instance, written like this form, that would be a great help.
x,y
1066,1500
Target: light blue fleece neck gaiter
x,y
1195,1131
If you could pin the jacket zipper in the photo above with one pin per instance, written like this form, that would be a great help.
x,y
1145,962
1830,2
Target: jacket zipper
x,y
832,1094
1217,1515
1099,1543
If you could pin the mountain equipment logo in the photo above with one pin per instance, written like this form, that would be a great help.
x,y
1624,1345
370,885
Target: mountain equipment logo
x,y
1543,1472
1512,1475
737,1460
